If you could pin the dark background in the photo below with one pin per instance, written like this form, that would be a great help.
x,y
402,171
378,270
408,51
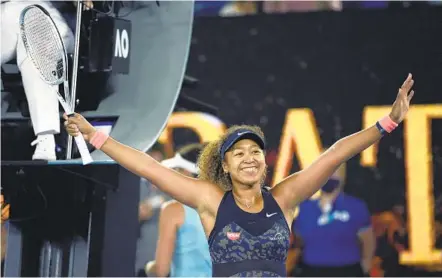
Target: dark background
x,y
255,68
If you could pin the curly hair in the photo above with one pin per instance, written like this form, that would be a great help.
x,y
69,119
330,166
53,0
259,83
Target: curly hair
x,y
210,163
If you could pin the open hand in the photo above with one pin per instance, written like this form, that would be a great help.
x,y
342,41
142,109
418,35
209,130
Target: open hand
x,y
77,124
402,102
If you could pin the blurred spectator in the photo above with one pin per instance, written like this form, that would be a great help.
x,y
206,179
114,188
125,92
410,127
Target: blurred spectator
x,y
364,4
209,8
335,233
389,230
239,8
4,231
409,4
225,8
5,217
300,6
151,199
182,249
392,238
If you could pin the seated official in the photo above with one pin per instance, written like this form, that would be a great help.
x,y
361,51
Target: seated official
x,y
43,104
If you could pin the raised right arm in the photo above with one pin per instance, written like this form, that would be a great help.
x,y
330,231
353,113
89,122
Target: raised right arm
x,y
189,191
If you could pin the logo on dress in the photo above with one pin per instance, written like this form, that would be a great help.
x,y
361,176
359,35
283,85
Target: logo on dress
x,y
233,235
277,236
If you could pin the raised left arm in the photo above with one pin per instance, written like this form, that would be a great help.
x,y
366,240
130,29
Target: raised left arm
x,y
303,184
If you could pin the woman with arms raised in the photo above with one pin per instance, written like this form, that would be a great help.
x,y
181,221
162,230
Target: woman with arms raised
x,y
247,224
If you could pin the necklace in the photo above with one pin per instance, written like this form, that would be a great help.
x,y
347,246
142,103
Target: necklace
x,y
246,203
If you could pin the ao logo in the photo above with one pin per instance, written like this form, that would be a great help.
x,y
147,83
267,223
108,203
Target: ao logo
x,y
121,44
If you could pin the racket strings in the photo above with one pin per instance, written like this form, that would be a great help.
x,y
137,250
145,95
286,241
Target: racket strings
x,y
44,45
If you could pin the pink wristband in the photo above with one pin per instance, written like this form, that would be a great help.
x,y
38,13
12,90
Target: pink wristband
x,y
98,139
387,124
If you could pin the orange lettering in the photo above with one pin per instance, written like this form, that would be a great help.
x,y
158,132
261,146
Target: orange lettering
x,y
419,179
206,126
299,136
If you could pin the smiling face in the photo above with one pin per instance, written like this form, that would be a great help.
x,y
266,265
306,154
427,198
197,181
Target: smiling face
x,y
245,163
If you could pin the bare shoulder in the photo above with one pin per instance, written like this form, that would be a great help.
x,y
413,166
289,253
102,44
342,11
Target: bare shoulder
x,y
173,211
171,206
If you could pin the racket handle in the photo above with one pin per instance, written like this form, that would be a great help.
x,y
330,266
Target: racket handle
x,y
82,148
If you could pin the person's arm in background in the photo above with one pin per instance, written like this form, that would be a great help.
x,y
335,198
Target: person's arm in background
x,y
145,211
4,232
368,241
152,199
171,218
367,238
148,206
296,244
293,254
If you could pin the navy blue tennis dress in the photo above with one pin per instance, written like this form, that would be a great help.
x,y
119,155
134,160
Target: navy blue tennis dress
x,y
246,244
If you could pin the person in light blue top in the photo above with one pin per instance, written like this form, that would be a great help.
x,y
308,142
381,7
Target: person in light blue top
x,y
182,248
191,256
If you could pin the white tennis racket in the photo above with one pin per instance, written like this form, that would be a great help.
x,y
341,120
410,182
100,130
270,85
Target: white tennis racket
x,y
45,47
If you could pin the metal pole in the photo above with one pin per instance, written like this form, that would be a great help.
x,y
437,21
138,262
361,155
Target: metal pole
x,y
75,70
45,259
57,260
